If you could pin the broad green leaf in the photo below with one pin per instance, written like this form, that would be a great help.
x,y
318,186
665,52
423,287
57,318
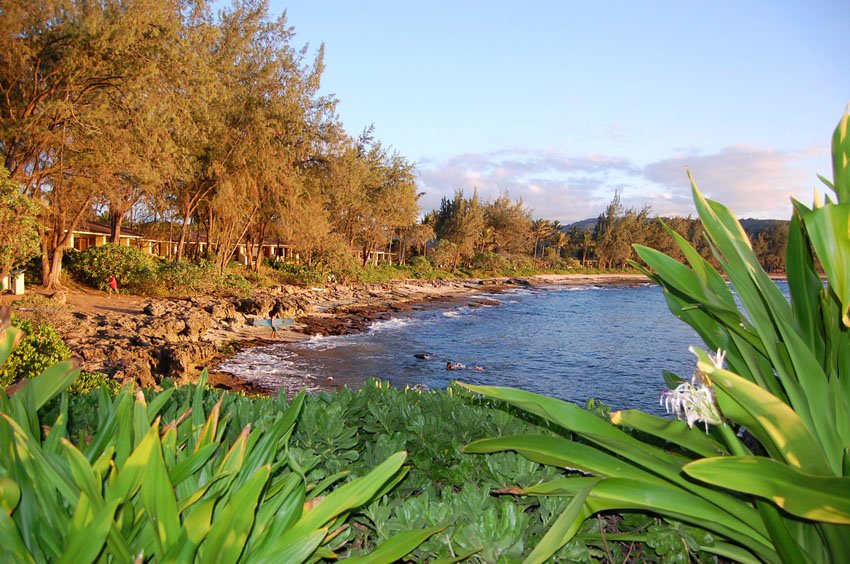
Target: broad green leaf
x,y
131,474
9,337
618,494
51,382
141,424
198,522
841,159
158,499
829,232
563,529
804,284
82,472
193,463
353,494
232,523
210,429
293,552
672,430
281,507
42,466
11,544
582,422
460,557
557,451
396,547
10,494
86,543
348,496
773,422
157,402
819,498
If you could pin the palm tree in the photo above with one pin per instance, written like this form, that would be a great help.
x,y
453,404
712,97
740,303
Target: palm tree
x,y
541,229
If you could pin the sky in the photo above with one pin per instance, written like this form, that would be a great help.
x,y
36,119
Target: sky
x,y
562,103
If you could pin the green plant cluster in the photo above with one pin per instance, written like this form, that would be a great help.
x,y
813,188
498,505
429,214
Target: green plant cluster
x,y
40,347
179,277
134,269
171,481
353,431
299,274
139,272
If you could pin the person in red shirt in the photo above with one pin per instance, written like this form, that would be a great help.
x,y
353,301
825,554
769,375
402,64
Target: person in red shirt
x,y
113,286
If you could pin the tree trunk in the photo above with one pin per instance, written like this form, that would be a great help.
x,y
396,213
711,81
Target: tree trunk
x,y
184,234
53,282
115,221
45,262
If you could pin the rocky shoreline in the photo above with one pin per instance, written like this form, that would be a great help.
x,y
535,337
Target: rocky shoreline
x,y
147,339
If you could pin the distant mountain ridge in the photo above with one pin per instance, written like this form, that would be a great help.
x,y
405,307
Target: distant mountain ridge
x,y
750,224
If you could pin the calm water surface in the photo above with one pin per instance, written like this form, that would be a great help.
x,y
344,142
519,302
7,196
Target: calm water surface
x,y
574,343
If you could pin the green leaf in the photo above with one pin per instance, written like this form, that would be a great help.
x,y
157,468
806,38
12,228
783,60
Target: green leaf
x,y
563,529
673,430
829,231
86,542
8,338
778,427
158,499
51,382
346,497
82,472
132,472
819,498
618,494
10,494
460,557
232,523
11,543
396,547
841,159
804,284
556,451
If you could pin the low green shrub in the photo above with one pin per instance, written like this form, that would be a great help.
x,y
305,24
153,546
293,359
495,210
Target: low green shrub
x,y
201,277
354,430
300,274
40,347
92,381
134,268
183,276
163,481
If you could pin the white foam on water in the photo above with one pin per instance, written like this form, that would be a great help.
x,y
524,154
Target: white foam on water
x,y
391,324
270,367
323,343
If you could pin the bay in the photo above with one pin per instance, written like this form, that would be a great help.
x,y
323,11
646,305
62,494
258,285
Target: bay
x,y
609,343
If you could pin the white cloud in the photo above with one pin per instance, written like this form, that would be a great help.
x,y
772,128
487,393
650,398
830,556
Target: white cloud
x,y
753,182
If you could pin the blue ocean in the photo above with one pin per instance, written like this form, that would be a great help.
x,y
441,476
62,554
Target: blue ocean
x,y
608,342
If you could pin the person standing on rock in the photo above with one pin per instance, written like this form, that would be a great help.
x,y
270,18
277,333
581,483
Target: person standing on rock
x,y
274,327
112,286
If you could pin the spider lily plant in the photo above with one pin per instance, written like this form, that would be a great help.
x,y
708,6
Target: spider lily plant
x,y
768,470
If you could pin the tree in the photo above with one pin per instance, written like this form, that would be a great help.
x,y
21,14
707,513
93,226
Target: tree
x,y
510,223
19,238
541,229
67,66
460,222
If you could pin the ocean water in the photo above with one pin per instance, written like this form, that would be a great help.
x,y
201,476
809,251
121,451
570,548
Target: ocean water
x,y
574,343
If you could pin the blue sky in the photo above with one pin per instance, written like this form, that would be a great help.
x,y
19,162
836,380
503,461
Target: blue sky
x,y
563,102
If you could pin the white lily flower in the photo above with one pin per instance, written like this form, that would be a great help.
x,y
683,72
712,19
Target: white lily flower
x,y
694,402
